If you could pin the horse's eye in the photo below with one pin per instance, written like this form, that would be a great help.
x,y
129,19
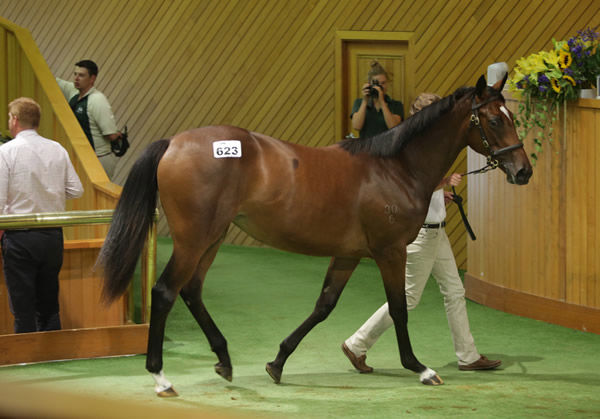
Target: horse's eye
x,y
495,122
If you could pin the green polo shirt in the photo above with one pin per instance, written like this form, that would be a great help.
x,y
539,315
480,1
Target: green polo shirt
x,y
99,113
374,119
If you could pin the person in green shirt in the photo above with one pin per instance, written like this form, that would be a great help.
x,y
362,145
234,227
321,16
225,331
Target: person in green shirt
x,y
373,114
93,112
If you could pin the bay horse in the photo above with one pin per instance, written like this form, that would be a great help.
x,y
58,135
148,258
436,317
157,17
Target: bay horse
x,y
358,198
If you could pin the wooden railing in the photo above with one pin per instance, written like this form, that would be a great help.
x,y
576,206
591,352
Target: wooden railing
x,y
90,328
537,252
24,72
79,266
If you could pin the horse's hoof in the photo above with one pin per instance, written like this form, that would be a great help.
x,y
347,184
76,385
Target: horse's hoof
x,y
436,380
430,378
275,373
225,372
170,392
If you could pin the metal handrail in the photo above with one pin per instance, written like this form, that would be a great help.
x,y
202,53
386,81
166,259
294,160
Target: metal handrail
x,y
70,218
55,219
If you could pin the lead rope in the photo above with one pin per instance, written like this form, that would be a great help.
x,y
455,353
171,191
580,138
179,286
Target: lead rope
x,y
490,165
459,200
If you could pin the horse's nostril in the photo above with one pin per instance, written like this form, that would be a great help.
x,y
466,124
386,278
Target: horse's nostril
x,y
523,176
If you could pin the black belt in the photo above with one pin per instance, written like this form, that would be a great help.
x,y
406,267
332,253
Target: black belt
x,y
438,225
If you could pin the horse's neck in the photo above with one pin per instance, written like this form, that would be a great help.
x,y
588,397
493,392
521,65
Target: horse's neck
x,y
430,155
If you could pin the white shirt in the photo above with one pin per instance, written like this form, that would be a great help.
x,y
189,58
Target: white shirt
x,y
437,208
36,175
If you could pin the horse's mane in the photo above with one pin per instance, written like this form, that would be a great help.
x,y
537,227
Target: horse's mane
x,y
390,142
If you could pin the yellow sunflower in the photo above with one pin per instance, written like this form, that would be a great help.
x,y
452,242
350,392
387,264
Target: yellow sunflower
x,y
570,80
555,85
564,59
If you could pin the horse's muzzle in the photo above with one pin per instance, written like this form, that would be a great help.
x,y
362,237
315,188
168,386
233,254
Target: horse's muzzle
x,y
522,176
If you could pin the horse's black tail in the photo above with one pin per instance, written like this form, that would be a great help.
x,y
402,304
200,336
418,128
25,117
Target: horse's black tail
x,y
131,221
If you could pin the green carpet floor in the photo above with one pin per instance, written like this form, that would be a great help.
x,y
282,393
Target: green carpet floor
x,y
258,296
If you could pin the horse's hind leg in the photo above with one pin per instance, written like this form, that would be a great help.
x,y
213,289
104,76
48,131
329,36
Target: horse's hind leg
x,y
337,276
192,296
179,270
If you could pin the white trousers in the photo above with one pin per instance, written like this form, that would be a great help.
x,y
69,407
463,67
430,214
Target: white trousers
x,y
429,254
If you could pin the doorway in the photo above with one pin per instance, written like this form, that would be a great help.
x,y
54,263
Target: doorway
x,y
354,52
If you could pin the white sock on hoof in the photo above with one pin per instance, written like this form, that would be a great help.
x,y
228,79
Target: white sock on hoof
x,y
162,383
427,374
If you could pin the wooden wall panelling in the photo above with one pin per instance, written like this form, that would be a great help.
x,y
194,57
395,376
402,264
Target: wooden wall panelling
x,y
169,66
217,85
80,291
495,209
432,47
73,344
476,47
146,68
213,79
548,258
377,14
293,55
249,62
306,80
3,80
12,80
193,70
581,205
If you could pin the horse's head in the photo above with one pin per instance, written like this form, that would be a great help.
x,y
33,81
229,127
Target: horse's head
x,y
494,135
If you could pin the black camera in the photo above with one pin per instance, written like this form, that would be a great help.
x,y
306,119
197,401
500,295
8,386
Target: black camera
x,y
119,147
373,91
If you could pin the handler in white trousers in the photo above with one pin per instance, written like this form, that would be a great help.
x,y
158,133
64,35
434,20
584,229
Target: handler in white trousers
x,y
429,254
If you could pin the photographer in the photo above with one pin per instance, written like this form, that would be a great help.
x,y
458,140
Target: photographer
x,y
376,112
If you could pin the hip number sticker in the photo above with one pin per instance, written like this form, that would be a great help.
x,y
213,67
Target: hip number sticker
x,y
227,149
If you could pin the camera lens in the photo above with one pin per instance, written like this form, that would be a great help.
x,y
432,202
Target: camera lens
x,y
373,92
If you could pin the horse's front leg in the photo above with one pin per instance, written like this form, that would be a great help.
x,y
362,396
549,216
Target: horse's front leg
x,y
392,265
338,274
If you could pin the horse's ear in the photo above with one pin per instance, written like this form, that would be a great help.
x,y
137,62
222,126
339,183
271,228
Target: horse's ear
x,y
480,86
499,85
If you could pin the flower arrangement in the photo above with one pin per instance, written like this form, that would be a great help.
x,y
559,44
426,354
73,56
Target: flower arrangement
x,y
546,79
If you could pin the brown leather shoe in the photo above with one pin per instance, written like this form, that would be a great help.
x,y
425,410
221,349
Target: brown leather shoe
x,y
481,364
357,362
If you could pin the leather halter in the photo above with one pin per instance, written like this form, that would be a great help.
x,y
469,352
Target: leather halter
x,y
492,162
